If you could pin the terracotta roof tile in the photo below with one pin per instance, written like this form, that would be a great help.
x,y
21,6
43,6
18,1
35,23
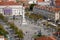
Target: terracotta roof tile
x,y
23,0
45,38
9,3
54,9
40,0
57,2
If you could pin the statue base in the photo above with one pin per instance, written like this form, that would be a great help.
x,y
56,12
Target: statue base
x,y
24,22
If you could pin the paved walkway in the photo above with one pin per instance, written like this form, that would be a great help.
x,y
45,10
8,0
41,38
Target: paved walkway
x,y
31,29
8,29
28,29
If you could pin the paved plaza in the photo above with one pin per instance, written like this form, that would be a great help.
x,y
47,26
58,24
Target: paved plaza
x,y
31,29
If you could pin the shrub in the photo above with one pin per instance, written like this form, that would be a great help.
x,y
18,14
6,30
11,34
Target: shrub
x,y
2,31
17,31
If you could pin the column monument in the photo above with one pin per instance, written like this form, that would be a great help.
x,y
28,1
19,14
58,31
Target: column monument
x,y
23,14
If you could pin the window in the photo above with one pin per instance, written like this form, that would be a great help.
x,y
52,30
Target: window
x,y
7,11
19,12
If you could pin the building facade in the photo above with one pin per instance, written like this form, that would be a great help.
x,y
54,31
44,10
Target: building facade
x,y
2,38
32,1
55,3
43,2
53,15
11,10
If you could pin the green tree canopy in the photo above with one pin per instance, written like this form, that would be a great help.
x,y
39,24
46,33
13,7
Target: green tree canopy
x,y
17,31
2,31
31,6
1,17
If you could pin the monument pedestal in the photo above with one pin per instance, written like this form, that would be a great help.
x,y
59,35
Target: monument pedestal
x,y
23,15
24,21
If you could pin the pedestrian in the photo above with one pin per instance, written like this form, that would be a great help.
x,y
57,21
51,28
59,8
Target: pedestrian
x,y
26,32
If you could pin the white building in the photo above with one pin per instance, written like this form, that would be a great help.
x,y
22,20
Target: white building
x,y
52,14
2,38
43,2
46,0
11,10
32,1
57,16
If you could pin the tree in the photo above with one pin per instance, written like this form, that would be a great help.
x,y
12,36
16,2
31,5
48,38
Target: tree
x,y
2,31
1,17
17,31
58,29
27,14
57,21
39,34
31,6
17,0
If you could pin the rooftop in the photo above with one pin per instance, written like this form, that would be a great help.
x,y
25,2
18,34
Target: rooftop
x,y
40,0
45,38
9,3
48,8
2,38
